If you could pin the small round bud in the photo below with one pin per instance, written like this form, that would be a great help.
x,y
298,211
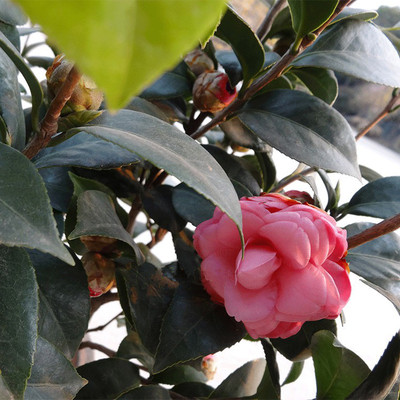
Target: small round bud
x,y
86,95
212,92
199,62
208,366
100,273
100,244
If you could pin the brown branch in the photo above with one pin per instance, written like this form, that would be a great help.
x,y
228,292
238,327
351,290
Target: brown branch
x,y
133,213
49,124
97,346
386,111
275,72
265,26
384,227
101,327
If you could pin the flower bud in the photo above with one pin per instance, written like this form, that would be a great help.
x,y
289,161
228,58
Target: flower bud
x,y
199,62
212,92
86,95
100,244
208,366
100,273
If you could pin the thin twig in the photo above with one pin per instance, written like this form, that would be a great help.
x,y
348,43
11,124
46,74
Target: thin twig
x,y
265,26
49,124
97,346
386,111
384,227
101,327
292,178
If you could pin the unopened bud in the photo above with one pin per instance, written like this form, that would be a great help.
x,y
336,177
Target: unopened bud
x,y
208,366
212,92
199,62
86,95
100,273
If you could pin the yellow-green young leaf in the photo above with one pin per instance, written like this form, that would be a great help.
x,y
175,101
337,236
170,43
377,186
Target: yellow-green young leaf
x,y
124,45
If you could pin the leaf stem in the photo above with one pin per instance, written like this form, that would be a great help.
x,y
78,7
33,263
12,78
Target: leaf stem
x,y
49,124
266,24
391,105
384,227
292,178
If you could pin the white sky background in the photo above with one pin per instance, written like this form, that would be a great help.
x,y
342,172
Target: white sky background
x,y
374,4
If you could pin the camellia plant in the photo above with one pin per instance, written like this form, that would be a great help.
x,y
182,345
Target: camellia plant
x,y
161,117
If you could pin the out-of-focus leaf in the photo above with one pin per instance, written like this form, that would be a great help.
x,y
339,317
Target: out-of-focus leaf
x,y
244,42
242,382
11,14
377,261
128,34
356,48
63,319
53,376
338,371
194,327
25,211
368,174
18,320
193,389
150,392
379,198
145,106
231,64
179,374
385,373
108,378
355,13
304,128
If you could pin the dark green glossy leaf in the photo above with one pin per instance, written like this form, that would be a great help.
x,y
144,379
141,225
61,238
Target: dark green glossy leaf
x,y
294,372
297,347
59,187
170,149
53,376
242,382
338,371
320,82
64,307
150,392
244,42
96,216
179,374
268,170
379,198
194,327
108,378
356,48
193,389
83,150
146,37
377,261
172,84
231,64
384,375
11,14
149,294
145,106
309,15
25,210
304,128
282,25
355,13
190,205
18,319
10,102
158,204
267,389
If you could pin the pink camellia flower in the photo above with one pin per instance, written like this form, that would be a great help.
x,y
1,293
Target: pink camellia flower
x,y
293,268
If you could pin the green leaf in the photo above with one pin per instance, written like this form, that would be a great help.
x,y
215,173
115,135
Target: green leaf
x,y
179,374
53,376
149,294
379,198
355,13
194,327
77,118
377,261
150,392
242,382
244,42
108,378
83,150
12,34
10,101
356,48
319,81
338,371
294,372
146,136
304,128
369,174
11,14
18,319
193,389
145,106
140,38
231,64
64,307
309,15
383,376
25,210
97,217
